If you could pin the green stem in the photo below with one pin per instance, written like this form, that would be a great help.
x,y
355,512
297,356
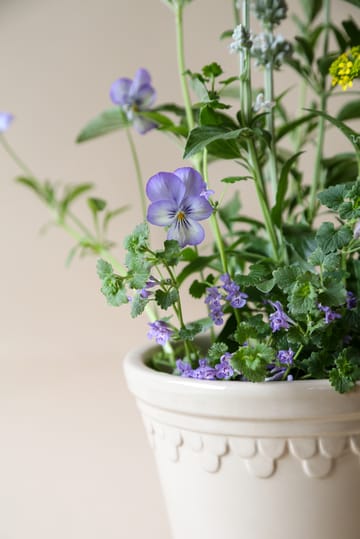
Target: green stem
x,y
236,13
269,96
137,171
11,152
178,9
317,181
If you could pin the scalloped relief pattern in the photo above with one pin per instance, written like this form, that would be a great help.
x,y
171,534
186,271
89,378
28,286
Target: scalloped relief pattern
x,y
317,456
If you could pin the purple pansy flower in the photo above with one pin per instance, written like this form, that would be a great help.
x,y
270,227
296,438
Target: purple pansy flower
x,y
176,203
135,96
5,120
159,331
330,315
279,319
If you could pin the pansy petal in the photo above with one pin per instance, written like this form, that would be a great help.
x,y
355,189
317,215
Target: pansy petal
x,y
197,208
141,124
186,232
165,186
162,212
144,97
119,91
192,180
5,120
142,77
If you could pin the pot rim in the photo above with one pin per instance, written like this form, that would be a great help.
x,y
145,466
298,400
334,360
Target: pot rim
x,y
313,399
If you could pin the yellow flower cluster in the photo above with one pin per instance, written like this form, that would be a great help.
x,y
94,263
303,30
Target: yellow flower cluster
x,y
346,68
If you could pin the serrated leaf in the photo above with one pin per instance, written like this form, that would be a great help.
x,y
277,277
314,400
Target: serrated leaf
x,y
171,253
333,196
103,268
166,298
189,332
138,305
197,289
302,298
286,277
330,240
108,121
266,286
217,350
252,361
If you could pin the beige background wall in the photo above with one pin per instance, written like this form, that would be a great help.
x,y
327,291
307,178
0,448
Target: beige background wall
x,y
74,461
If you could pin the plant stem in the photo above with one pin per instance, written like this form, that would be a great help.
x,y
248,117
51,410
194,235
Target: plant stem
x,y
11,152
317,180
137,171
269,96
178,9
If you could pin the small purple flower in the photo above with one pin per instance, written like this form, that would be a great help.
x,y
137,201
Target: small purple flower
x,y
351,300
5,120
135,96
330,315
286,357
213,299
223,369
279,319
159,331
146,291
275,373
176,203
204,371
184,368
235,297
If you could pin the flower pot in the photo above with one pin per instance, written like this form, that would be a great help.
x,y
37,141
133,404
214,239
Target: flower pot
x,y
243,460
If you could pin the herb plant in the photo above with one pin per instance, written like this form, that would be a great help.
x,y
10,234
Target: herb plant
x,y
280,294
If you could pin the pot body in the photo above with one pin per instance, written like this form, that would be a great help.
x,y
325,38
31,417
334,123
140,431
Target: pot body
x,y
251,461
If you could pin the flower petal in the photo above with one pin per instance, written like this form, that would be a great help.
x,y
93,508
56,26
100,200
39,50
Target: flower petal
x,y
196,208
144,97
142,77
186,232
162,212
141,124
119,91
165,186
192,180
5,120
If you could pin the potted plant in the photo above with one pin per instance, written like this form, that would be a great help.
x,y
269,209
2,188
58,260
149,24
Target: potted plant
x,y
254,408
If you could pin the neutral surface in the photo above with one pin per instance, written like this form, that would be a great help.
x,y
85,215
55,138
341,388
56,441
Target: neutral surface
x,y
74,460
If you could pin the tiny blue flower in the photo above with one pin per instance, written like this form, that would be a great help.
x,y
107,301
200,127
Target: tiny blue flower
x,y
286,356
159,331
279,319
351,300
330,315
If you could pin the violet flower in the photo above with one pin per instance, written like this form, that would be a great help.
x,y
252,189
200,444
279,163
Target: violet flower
x,y
176,203
286,357
351,300
235,297
223,369
330,315
213,299
279,319
5,120
135,96
159,331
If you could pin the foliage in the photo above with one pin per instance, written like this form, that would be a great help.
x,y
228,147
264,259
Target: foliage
x,y
280,294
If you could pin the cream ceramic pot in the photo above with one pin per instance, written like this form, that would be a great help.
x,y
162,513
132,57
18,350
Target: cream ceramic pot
x,y
252,461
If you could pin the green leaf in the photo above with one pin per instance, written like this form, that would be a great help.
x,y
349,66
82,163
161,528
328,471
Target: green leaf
x,y
251,361
108,121
109,216
286,277
104,269
189,332
253,328
291,126
138,241
197,289
72,193
235,179
216,350
201,137
277,210
330,240
138,305
349,111
345,374
349,133
302,298
353,31
96,204
311,8
197,265
333,196
166,298
171,253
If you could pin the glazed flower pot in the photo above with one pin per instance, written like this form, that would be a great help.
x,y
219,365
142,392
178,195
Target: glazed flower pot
x,y
253,461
